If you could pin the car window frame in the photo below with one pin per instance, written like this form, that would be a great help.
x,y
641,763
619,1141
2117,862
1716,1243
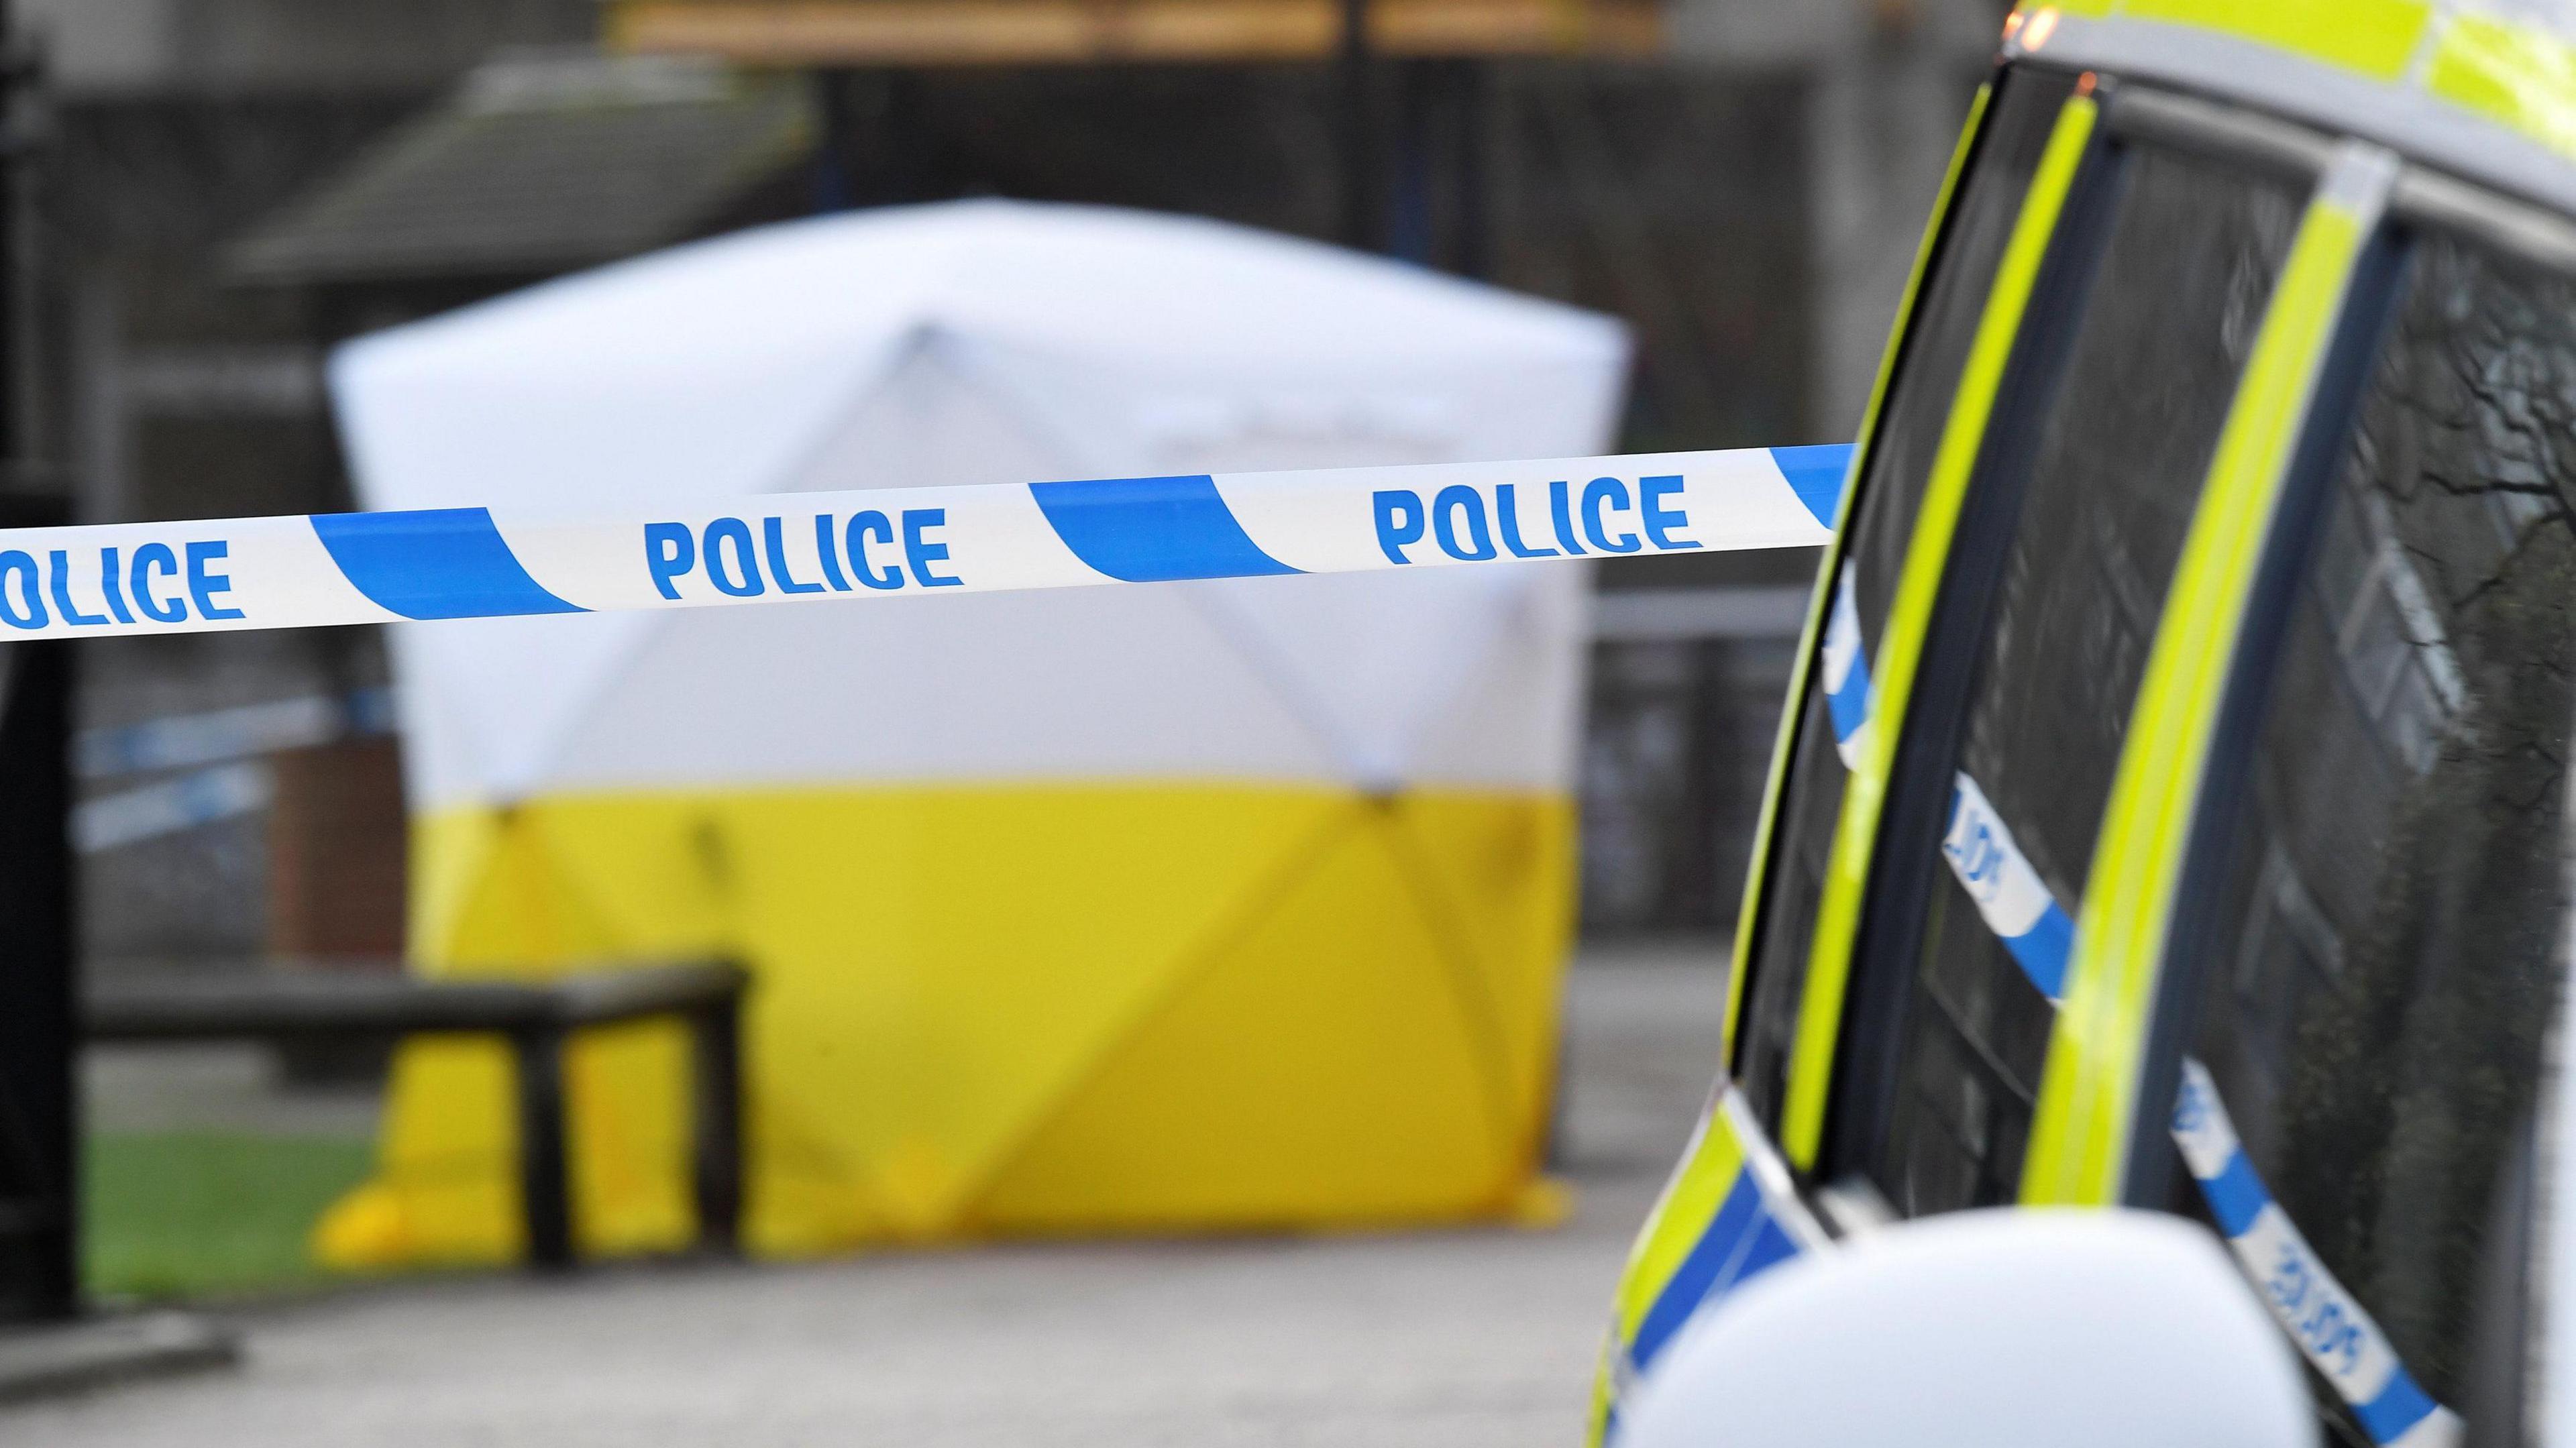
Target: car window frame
x,y
2072,141
1883,994
1939,249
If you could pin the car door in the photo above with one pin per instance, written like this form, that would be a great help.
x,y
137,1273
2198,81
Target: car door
x,y
1830,731
2041,614
2369,954
2049,200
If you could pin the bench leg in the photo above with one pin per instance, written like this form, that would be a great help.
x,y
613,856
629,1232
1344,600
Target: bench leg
x,y
545,1181
715,1037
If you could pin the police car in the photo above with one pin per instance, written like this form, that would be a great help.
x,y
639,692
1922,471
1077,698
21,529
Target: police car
x,y
2171,811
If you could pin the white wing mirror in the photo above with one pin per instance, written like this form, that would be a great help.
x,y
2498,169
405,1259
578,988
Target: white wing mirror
x,y
1996,1329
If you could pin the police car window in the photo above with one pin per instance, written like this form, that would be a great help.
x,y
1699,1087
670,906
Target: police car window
x,y
2047,636
2019,121
2374,967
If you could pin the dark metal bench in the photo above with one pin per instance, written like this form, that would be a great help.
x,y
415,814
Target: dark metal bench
x,y
536,1016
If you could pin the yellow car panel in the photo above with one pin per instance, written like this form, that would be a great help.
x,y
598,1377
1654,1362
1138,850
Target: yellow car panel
x,y
2376,38
2523,80
2079,1142
1821,596
1728,1213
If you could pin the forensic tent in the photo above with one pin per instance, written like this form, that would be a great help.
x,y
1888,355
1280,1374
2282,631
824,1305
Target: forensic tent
x,y
1174,906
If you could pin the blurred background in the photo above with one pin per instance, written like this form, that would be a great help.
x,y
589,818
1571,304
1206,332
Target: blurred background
x,y
218,190
204,197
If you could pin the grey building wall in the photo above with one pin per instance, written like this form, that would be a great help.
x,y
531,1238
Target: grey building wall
x,y
1888,85
128,46
1684,713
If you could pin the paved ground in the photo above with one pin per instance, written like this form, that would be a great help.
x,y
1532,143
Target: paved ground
x,y
1482,1337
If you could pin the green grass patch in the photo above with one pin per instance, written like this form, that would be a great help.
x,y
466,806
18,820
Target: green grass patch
x,y
170,1214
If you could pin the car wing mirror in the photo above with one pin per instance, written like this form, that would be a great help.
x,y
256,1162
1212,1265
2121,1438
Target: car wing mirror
x,y
1988,1329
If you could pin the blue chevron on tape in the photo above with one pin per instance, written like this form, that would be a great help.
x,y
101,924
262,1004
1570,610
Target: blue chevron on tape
x,y
436,563
1816,475
1154,530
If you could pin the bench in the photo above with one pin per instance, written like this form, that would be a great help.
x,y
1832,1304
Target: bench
x,y
535,1016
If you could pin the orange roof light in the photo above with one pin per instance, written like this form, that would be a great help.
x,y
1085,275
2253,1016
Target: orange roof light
x,y
2036,31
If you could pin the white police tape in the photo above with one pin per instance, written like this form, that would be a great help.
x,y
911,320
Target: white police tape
x,y
2015,902
178,740
1847,700
2336,1335
2010,896
2331,1329
170,806
480,563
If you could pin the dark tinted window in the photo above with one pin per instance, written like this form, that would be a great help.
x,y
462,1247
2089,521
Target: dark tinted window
x,y
2056,584
1944,325
2375,967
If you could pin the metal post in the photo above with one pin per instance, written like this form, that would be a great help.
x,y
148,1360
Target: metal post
x,y
545,1177
1360,178
715,1036
39,1114
1412,224
39,1111
16,373
1472,82
23,134
834,187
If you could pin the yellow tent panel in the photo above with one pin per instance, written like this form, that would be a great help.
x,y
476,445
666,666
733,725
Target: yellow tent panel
x,y
1007,1010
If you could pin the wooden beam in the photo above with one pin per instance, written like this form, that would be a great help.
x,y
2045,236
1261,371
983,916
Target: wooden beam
x,y
1094,32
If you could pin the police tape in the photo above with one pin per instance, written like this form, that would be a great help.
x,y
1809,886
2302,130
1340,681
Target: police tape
x,y
172,806
345,568
2329,1326
215,736
2334,1332
2010,896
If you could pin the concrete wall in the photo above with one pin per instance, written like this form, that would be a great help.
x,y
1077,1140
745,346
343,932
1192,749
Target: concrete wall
x,y
129,46
1888,85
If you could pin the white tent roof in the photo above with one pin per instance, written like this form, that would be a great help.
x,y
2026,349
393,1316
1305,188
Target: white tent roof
x,y
984,342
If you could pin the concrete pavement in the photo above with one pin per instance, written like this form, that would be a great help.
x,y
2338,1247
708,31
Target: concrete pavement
x,y
1477,1337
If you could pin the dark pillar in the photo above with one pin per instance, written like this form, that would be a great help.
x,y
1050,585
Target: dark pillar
x,y
1362,176
1412,218
715,1037
1471,242
878,146
39,1121
1436,204
835,165
545,1165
